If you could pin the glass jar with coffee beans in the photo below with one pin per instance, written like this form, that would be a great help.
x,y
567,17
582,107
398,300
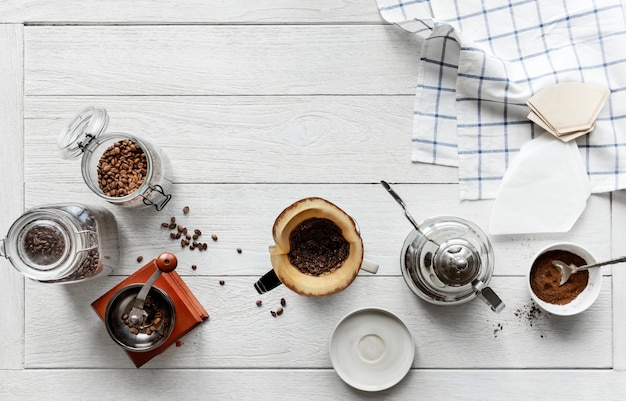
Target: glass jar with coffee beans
x,y
63,243
118,167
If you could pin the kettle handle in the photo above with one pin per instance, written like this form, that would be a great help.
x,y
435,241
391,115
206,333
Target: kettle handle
x,y
268,282
488,295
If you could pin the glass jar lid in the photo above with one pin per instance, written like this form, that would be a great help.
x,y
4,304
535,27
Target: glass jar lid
x,y
43,244
87,125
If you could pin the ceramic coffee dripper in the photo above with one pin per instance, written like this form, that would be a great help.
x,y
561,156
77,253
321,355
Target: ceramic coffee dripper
x,y
283,272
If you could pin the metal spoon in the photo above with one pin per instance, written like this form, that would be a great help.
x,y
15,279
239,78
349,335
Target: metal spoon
x,y
165,263
406,212
567,270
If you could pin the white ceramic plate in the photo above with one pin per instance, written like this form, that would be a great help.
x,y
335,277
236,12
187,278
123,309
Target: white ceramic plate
x,y
371,349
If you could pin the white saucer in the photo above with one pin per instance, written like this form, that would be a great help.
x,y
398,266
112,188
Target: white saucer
x,y
371,349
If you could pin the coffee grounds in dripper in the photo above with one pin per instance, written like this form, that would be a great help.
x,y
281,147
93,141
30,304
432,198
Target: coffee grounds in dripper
x,y
317,246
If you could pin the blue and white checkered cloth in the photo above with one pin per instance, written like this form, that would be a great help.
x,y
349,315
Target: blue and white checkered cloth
x,y
482,60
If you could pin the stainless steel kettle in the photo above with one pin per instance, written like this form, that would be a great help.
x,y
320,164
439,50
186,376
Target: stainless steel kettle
x,y
449,262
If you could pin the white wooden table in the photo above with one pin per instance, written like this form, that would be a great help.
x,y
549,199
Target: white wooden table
x,y
259,103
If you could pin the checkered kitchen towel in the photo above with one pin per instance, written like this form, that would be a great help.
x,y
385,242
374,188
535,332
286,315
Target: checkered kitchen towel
x,y
482,59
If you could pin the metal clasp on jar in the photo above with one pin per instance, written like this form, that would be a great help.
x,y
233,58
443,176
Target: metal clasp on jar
x,y
156,191
90,240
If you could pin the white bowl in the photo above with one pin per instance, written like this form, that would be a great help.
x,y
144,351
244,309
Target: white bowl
x,y
586,298
371,349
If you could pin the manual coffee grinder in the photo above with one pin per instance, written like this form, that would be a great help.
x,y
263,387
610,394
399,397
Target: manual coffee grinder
x,y
150,310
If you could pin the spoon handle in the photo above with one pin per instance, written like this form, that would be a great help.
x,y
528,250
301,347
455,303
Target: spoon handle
x,y
401,202
608,262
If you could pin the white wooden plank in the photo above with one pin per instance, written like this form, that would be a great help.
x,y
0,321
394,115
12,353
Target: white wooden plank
x,y
11,195
619,279
247,139
190,11
63,332
278,384
220,60
242,215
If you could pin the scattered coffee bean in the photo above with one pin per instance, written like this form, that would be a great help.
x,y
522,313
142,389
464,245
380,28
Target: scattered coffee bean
x,y
179,228
194,267
197,232
204,246
283,302
134,330
214,237
191,247
221,282
172,226
188,236
273,313
182,243
177,235
165,225
179,343
195,236
172,236
186,209
172,219
259,302
185,231
139,259
122,169
279,311
239,250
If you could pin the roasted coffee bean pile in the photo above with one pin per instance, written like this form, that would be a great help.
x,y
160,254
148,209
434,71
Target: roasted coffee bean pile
x,y
153,323
44,245
122,169
317,246
187,237
90,264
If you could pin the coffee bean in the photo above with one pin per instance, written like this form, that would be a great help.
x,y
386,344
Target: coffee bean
x,y
185,230
172,226
179,343
172,219
177,235
195,236
197,232
214,237
239,250
182,243
188,236
279,311
222,282
122,168
165,225
283,302
259,302
180,228
205,246
139,259
194,267
273,313
172,236
186,209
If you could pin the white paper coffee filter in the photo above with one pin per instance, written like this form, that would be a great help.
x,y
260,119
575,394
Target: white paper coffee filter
x,y
545,189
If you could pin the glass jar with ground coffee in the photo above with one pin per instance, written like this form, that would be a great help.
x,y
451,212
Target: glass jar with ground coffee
x,y
118,167
63,243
